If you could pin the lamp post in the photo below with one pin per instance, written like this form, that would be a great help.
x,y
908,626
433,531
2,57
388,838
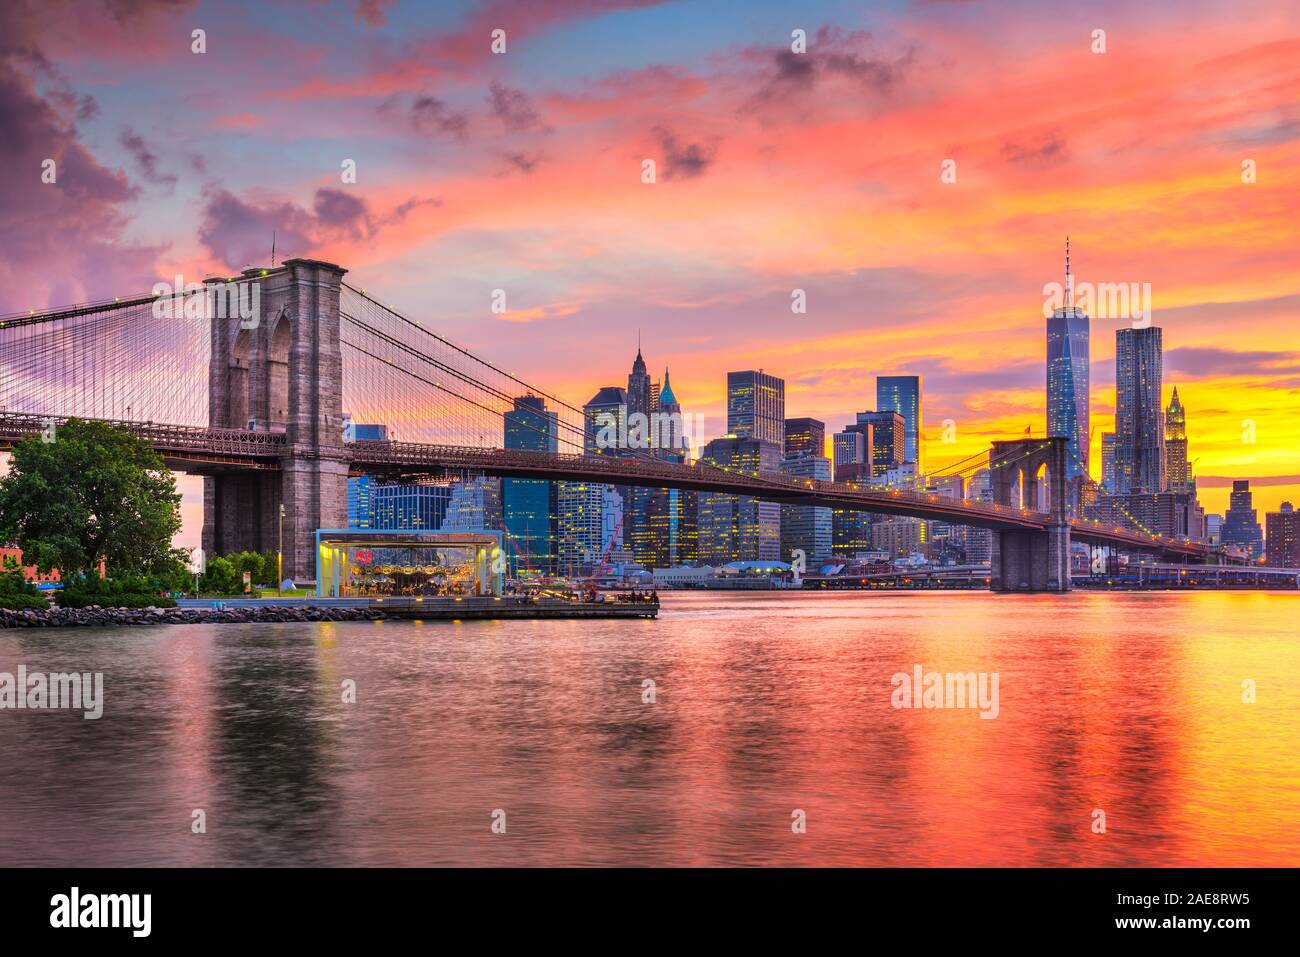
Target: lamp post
x,y
279,557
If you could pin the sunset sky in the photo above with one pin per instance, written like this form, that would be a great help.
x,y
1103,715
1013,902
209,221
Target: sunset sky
x,y
776,171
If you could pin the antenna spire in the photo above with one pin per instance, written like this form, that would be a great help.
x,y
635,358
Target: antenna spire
x,y
273,250
1069,279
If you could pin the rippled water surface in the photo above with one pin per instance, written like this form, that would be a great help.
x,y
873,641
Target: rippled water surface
x,y
764,704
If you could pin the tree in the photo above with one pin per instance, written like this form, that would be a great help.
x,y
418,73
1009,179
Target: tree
x,y
95,494
221,578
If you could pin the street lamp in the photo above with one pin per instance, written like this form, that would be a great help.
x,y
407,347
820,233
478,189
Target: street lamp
x,y
279,557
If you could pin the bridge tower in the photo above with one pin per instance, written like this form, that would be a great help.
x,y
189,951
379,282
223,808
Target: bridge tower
x,y
1028,559
280,371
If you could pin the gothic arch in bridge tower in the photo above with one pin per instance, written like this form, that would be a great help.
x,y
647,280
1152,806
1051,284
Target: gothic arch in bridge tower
x,y
1042,486
240,353
1029,474
277,372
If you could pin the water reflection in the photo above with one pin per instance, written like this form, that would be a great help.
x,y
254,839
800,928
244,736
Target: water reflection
x,y
765,704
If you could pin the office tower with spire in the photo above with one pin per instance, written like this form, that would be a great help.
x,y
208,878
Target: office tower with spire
x,y
1178,473
902,394
1067,383
1139,418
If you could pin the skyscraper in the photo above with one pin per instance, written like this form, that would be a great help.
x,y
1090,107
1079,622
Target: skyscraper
x,y
850,451
1108,461
902,394
1240,526
805,437
803,527
886,439
528,505
1284,537
1178,474
739,527
756,407
1067,382
1139,421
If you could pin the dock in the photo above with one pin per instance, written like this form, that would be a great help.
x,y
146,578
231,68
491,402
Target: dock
x,y
456,609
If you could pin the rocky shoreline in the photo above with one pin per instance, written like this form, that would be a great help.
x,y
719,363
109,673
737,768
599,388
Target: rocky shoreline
x,y
97,617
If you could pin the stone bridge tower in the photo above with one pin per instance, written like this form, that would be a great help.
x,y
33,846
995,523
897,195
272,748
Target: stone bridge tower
x,y
1026,559
280,371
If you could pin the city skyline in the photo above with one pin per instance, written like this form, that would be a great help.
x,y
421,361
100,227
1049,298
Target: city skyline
x,y
522,173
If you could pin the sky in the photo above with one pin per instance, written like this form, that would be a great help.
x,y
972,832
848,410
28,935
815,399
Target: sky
x,y
914,170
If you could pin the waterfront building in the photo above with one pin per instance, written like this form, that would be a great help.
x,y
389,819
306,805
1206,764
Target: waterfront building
x,y
896,536
528,505
804,527
1283,536
1067,383
415,507
359,514
902,394
590,524
1139,418
1240,526
475,503
1171,514
739,527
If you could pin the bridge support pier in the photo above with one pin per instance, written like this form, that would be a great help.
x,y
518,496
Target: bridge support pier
x,y
1025,560
1031,559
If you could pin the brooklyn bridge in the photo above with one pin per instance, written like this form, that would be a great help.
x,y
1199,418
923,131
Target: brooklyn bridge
x,y
258,406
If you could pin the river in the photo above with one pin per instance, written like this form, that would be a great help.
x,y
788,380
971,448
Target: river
x,y
769,736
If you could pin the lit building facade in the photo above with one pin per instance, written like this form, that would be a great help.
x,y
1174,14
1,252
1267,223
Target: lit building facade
x,y
1178,473
1067,383
756,407
528,505
804,527
902,394
1283,536
739,527
1240,526
805,437
1139,417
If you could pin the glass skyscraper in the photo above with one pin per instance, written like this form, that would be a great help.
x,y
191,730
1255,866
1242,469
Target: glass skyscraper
x,y
1240,525
756,406
805,437
1067,383
902,394
1139,419
528,506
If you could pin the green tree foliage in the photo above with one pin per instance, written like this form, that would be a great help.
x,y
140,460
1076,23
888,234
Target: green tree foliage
x,y
16,592
94,494
221,578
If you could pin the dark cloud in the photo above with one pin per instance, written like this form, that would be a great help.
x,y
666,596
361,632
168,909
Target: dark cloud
x,y
145,158
238,232
831,54
1225,481
432,115
1049,149
514,109
371,12
684,161
522,162
60,242
1196,362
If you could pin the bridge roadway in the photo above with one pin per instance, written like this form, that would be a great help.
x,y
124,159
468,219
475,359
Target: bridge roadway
x,y
204,450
